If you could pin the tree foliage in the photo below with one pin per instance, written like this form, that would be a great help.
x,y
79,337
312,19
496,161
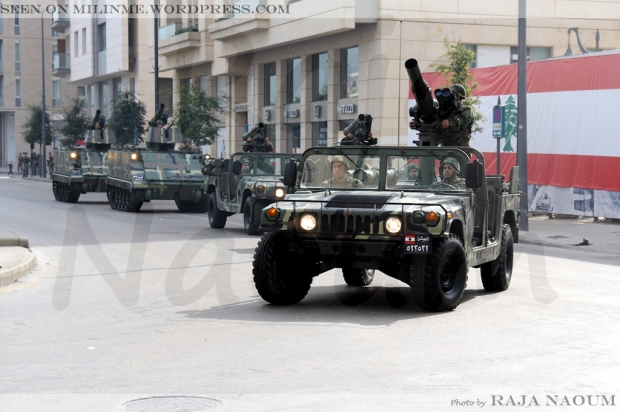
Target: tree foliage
x,y
196,114
128,115
32,126
456,70
75,123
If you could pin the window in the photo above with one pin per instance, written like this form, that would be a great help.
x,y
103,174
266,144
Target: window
x,y
473,48
349,71
117,87
319,134
81,92
205,84
54,53
18,54
186,83
91,97
293,81
83,41
1,26
76,43
56,94
531,53
1,91
18,93
104,98
101,37
319,77
293,137
16,30
270,84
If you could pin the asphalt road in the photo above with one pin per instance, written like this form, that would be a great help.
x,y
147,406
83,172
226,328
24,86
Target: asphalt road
x,y
125,306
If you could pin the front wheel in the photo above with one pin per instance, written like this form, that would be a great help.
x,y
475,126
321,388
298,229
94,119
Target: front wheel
x,y
278,276
217,217
251,218
496,275
358,277
439,287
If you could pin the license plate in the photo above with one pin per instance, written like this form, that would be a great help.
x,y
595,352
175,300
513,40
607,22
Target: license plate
x,y
418,244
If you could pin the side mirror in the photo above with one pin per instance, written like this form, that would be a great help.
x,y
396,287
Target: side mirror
x,y
290,173
236,169
474,173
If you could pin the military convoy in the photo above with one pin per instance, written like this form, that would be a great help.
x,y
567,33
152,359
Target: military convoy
x,y
157,171
83,169
425,236
245,183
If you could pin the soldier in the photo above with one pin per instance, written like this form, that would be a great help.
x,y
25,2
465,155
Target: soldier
x,y
245,167
340,177
26,164
20,161
50,164
412,174
450,170
35,164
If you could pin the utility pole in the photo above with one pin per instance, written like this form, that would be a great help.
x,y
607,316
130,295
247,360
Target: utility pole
x,y
156,52
522,120
43,160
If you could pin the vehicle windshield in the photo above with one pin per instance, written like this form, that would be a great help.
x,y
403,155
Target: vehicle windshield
x,y
425,172
260,164
338,171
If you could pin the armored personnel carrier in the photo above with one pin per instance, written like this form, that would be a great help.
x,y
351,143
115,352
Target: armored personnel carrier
x,y
83,169
359,209
252,182
157,171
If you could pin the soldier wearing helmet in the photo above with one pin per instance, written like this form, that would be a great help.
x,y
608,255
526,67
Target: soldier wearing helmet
x,y
245,166
450,169
340,178
457,128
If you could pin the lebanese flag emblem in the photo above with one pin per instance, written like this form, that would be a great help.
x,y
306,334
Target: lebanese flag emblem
x,y
410,240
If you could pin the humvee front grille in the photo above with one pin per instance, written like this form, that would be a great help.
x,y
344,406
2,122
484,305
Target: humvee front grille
x,y
355,225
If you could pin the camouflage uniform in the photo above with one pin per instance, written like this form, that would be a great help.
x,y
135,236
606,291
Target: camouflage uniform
x,y
458,182
458,133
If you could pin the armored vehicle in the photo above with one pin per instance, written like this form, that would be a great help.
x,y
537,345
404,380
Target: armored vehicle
x,y
82,169
425,232
157,171
245,183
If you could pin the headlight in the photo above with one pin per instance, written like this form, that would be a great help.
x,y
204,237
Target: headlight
x,y
393,225
73,155
207,157
135,156
307,222
280,192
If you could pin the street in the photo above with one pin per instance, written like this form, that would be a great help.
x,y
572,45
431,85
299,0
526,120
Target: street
x,y
125,306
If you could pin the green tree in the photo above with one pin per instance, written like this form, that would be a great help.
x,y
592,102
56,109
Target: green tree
x,y
457,71
511,124
128,115
196,114
75,123
32,126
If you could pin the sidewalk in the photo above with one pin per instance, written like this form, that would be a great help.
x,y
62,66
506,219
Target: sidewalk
x,y
4,172
16,260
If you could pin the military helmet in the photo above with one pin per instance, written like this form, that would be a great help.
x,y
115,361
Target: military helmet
x,y
341,159
459,90
187,140
453,163
245,161
413,166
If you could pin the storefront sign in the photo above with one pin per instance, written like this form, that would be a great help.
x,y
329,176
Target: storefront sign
x,y
317,111
291,113
346,108
241,107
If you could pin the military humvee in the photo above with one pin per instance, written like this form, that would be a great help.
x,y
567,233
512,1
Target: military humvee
x,y
82,169
248,182
423,232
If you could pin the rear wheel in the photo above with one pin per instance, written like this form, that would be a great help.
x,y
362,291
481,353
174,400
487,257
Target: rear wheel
x,y
358,277
217,217
496,275
278,276
440,285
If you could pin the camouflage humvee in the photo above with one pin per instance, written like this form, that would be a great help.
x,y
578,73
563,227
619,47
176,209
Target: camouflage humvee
x,y
247,182
421,231
82,169
157,172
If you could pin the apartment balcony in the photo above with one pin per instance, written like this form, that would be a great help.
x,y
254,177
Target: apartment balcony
x,y
174,38
60,21
245,33
61,64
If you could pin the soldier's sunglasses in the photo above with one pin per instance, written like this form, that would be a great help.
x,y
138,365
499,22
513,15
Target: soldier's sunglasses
x,y
443,92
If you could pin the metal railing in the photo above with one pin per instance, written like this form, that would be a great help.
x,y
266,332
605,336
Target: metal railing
x,y
61,61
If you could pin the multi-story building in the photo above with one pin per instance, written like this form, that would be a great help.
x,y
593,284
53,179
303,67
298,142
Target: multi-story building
x,y
21,78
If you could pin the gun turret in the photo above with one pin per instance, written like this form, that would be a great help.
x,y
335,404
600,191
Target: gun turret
x,y
360,128
259,128
212,167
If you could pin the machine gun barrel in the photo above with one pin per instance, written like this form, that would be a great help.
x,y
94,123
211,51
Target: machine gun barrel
x,y
158,115
421,91
255,129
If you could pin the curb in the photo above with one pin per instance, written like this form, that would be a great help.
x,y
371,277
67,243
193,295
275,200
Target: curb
x,y
10,275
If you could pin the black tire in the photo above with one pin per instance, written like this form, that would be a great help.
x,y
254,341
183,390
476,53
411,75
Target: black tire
x,y
358,277
202,207
56,190
189,206
135,201
73,196
251,219
496,275
439,287
278,276
217,217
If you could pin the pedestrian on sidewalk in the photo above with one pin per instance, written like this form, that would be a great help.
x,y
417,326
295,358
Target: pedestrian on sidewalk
x,y
50,164
25,166
11,168
20,161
